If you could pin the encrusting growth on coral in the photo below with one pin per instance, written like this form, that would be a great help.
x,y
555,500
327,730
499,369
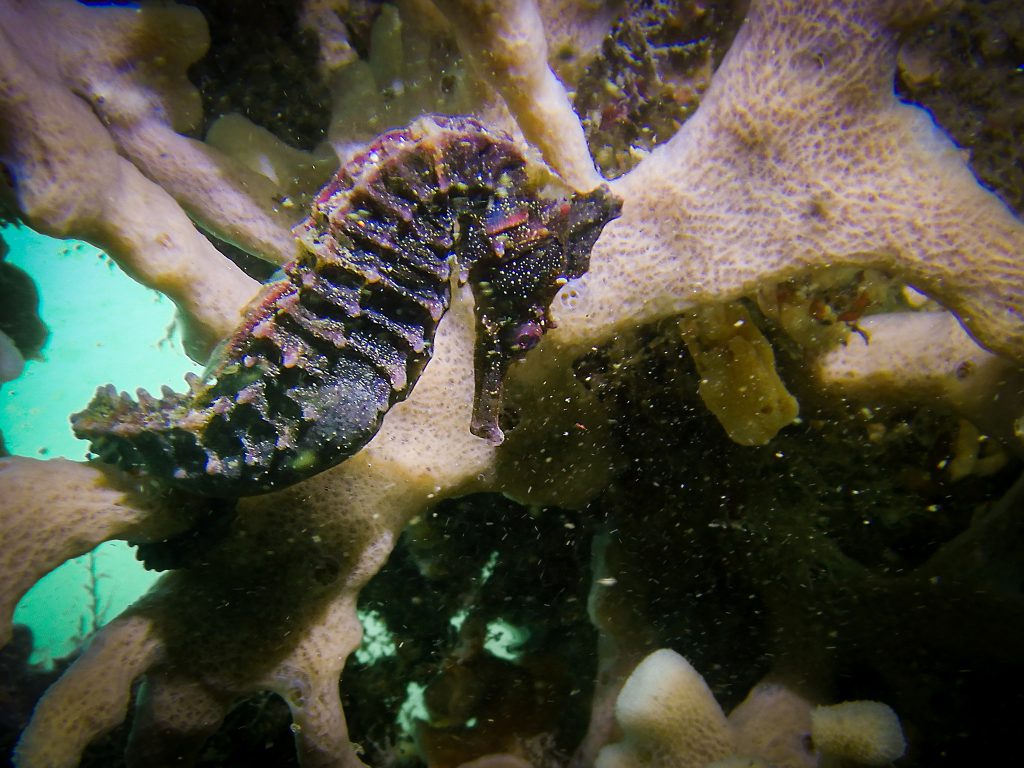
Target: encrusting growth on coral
x,y
772,236
654,64
739,382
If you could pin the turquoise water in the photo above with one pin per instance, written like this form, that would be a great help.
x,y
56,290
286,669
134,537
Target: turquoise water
x,y
104,327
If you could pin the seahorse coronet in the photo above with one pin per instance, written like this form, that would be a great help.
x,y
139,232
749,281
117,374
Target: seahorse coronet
x,y
344,330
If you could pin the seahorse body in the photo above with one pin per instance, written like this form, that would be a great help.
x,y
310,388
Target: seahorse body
x,y
326,350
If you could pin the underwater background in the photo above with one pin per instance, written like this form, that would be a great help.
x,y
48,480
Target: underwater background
x,y
130,340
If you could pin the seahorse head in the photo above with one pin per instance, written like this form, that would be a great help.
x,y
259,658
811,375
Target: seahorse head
x,y
534,249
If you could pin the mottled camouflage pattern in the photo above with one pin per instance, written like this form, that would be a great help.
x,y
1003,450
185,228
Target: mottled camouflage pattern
x,y
326,350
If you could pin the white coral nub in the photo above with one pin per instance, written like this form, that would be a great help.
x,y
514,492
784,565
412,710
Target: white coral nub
x,y
865,732
669,717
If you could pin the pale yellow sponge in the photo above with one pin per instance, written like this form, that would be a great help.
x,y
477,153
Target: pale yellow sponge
x,y
669,717
738,380
866,732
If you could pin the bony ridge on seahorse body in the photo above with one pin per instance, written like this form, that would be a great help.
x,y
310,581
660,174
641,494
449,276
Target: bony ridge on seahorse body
x,y
326,350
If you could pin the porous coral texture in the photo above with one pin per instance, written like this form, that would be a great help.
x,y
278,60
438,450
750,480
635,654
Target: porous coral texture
x,y
93,149
100,504
865,732
669,717
799,157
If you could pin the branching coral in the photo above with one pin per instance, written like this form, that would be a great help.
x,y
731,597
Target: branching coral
x,y
759,190
799,158
93,101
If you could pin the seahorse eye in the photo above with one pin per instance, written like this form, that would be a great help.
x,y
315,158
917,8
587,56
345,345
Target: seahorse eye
x,y
524,336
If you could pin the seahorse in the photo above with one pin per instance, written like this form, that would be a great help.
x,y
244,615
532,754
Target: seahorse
x,y
345,332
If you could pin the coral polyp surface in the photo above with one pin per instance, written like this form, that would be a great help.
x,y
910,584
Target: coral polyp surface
x,y
775,427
